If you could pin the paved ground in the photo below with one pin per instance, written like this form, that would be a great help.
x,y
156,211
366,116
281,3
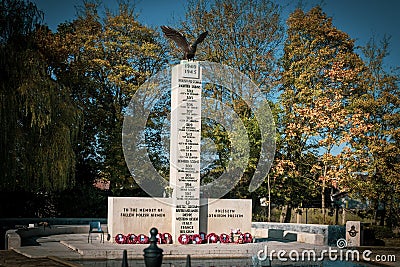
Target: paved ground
x,y
73,249
12,258
75,246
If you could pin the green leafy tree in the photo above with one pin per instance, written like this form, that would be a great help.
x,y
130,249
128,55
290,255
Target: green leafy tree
x,y
244,35
39,121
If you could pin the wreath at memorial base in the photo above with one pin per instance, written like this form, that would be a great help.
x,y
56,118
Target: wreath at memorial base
x,y
224,238
142,239
184,239
247,238
203,237
240,239
167,238
159,238
120,239
197,239
131,239
212,238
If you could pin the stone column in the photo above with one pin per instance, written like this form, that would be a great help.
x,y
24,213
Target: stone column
x,y
185,147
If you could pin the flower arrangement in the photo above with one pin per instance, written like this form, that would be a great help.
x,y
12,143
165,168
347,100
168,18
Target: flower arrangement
x,y
166,238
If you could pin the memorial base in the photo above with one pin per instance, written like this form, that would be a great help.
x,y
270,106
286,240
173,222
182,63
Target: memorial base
x,y
137,215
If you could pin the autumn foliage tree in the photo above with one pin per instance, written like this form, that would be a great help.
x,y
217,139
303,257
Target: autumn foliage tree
x,y
104,61
321,74
371,168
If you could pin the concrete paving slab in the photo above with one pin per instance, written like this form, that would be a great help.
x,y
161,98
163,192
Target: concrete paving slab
x,y
48,249
9,258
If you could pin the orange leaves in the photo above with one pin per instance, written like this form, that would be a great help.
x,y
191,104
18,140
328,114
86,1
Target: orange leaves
x,y
341,71
316,168
321,75
335,102
283,167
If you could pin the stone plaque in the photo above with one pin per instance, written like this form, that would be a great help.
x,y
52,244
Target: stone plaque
x,y
137,215
223,215
354,236
185,147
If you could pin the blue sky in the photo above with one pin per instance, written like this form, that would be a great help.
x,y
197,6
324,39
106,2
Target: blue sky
x,y
361,19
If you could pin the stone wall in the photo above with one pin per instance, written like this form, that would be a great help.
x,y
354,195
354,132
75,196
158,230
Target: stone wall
x,y
14,238
330,233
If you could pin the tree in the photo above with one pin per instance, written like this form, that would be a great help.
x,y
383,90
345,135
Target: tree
x,y
372,166
244,35
321,75
38,118
104,62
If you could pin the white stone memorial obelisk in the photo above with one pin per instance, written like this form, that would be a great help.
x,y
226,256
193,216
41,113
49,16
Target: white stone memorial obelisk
x,y
185,147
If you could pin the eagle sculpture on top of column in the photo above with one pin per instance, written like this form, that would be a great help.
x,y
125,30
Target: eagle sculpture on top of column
x,y
188,49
